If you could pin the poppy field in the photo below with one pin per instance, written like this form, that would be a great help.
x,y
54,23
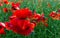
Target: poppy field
x,y
29,18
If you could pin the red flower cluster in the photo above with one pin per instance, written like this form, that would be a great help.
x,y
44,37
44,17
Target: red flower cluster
x,y
23,21
55,16
19,22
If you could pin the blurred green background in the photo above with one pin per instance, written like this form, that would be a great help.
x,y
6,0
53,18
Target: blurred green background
x,y
45,6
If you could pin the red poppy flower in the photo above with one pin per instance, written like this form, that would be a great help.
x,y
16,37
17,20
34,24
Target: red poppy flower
x,y
5,9
23,13
15,6
53,14
6,1
2,26
36,17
